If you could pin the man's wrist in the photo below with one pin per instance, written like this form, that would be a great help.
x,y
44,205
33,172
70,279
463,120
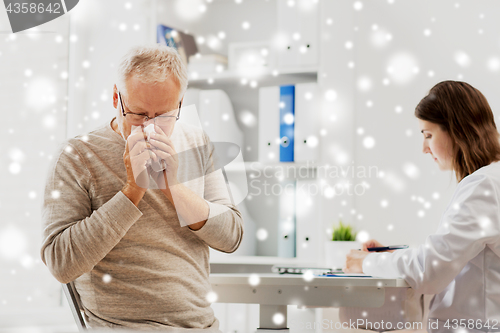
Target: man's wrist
x,y
134,193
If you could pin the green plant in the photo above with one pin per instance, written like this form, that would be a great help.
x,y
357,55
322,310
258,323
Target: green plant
x,y
343,233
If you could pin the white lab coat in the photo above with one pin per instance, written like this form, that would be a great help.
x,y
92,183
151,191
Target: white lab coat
x,y
460,263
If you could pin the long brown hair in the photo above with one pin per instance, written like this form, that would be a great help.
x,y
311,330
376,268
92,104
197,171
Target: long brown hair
x,y
464,113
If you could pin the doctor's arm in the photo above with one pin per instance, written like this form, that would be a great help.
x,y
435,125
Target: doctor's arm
x,y
468,225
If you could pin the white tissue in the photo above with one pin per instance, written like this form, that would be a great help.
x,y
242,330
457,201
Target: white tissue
x,y
149,129
158,165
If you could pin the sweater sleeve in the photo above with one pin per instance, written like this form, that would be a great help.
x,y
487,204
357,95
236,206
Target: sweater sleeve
x,y
468,225
75,237
223,230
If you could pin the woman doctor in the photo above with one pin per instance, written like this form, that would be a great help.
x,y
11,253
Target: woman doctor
x,y
460,262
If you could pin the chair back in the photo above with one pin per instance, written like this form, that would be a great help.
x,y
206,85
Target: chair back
x,y
76,305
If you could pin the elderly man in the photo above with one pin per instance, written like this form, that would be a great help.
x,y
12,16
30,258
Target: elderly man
x,y
135,238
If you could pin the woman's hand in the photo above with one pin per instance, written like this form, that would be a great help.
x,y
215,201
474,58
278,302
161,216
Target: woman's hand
x,y
354,261
373,243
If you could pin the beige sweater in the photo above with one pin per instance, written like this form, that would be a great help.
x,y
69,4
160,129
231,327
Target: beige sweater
x,y
134,267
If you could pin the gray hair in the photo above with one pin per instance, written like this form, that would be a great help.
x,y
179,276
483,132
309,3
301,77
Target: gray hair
x,y
152,63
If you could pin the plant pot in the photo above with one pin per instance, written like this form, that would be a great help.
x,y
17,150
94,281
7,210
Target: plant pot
x,y
336,252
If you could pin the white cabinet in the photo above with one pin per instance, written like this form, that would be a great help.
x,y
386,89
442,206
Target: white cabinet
x,y
291,31
269,132
298,33
307,111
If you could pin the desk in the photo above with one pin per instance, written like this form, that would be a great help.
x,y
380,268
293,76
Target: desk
x,y
274,292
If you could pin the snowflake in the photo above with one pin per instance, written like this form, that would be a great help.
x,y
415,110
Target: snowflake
x,y
278,318
212,297
254,280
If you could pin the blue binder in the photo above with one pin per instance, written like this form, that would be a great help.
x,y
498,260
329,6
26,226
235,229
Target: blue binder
x,y
287,135
164,36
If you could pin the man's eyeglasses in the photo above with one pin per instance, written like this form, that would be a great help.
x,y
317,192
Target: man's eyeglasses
x,y
137,118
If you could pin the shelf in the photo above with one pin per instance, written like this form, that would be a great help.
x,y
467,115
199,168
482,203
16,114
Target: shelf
x,y
255,260
256,166
262,77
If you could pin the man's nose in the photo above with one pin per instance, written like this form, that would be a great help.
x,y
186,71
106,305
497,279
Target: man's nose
x,y
148,122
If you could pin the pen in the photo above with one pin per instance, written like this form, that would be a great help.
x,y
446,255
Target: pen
x,y
387,248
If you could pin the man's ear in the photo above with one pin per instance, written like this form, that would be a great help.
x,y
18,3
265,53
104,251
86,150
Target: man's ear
x,y
115,96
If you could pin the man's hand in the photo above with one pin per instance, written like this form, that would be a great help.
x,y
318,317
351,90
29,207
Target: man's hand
x,y
163,152
354,261
135,158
